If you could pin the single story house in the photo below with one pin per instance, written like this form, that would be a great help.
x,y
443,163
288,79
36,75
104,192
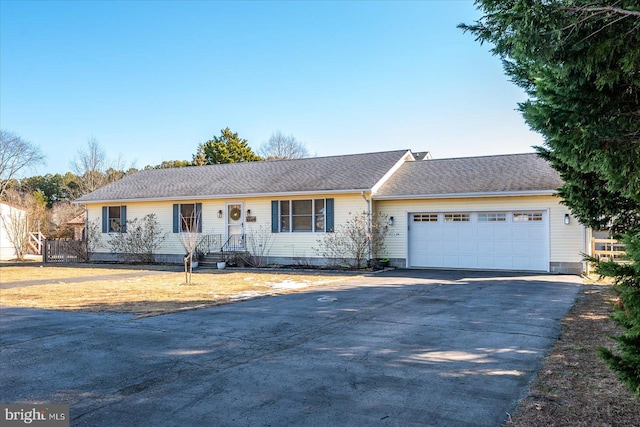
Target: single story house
x,y
12,220
492,212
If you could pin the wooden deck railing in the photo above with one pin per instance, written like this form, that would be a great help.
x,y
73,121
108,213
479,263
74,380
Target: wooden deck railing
x,y
36,242
607,249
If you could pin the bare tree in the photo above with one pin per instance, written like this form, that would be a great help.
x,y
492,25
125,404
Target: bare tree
x,y
15,154
95,169
281,147
90,166
60,214
189,239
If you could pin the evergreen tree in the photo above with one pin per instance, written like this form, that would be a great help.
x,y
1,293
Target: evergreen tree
x,y
579,62
226,148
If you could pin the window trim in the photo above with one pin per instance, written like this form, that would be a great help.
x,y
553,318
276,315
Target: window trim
x,y
290,215
177,219
106,219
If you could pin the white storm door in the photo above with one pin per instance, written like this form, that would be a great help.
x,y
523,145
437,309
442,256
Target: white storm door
x,y
235,226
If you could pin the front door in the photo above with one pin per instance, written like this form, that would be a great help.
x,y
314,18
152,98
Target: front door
x,y
235,226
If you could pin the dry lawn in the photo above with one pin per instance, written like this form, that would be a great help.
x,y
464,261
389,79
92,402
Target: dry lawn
x,y
575,388
146,292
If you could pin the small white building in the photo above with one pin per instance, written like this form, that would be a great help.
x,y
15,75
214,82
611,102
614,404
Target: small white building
x,y
9,214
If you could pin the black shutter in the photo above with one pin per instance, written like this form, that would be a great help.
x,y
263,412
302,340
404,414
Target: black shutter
x,y
329,211
274,216
123,219
176,218
199,216
105,219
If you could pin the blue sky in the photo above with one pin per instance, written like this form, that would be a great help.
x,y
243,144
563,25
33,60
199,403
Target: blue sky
x,y
150,80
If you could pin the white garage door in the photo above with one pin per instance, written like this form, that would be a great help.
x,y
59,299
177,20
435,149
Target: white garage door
x,y
508,240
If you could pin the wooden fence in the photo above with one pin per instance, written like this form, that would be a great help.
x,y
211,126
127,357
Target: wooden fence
x,y
64,251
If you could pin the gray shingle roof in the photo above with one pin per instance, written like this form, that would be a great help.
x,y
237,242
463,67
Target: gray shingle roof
x,y
316,174
489,174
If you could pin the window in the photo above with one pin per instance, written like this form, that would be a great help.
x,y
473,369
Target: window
x,y
114,219
492,217
285,216
307,215
425,217
186,217
527,216
457,217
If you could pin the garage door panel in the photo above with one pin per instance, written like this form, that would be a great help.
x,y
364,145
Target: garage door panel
x,y
481,242
450,246
435,260
434,233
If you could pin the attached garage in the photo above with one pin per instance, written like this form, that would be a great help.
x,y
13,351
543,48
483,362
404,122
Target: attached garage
x,y
490,212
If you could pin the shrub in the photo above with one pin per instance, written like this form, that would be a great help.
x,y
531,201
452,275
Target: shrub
x,y
355,242
140,241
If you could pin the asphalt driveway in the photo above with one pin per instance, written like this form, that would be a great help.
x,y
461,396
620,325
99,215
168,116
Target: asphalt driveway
x,y
423,348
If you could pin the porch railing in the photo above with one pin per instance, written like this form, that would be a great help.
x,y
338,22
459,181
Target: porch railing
x,y
209,243
216,243
235,243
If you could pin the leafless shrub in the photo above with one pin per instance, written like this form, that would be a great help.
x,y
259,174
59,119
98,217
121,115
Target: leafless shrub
x,y
139,241
259,242
355,242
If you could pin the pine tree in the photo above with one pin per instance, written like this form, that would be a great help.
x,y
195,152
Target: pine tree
x,y
579,62
226,148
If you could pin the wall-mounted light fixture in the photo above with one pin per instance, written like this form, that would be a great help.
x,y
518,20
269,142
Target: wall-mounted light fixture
x,y
567,219
248,212
220,213
390,220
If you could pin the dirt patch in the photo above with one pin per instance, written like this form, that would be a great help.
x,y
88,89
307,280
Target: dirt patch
x,y
575,387
145,294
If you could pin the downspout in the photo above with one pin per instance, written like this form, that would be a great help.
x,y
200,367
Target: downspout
x,y
369,225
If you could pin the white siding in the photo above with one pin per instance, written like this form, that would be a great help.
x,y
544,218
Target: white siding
x,y
297,244
7,250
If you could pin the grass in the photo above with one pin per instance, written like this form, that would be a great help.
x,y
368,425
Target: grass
x,y
575,387
144,292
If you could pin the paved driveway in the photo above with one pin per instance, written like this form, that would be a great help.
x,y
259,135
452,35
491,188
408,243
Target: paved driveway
x,y
423,348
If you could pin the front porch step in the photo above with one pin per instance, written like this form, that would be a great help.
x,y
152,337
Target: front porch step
x,y
212,259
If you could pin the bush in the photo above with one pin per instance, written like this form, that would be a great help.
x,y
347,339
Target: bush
x,y
355,242
140,241
625,359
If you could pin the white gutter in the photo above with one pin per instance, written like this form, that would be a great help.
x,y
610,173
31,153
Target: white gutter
x,y
469,195
223,196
